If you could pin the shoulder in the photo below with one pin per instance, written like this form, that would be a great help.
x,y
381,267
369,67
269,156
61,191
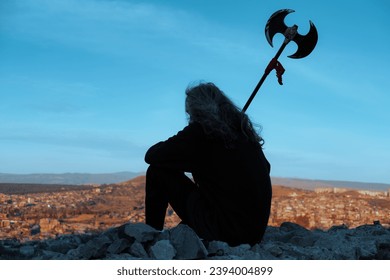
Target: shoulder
x,y
193,128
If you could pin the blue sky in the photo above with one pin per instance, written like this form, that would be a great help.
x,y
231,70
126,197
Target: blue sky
x,y
89,85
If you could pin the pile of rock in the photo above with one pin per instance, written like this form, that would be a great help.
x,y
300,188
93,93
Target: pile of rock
x,y
139,241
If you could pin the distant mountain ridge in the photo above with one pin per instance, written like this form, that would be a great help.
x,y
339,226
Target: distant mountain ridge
x,y
69,178
313,184
119,177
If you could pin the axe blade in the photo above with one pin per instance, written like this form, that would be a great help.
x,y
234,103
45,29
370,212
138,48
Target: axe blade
x,y
276,24
306,43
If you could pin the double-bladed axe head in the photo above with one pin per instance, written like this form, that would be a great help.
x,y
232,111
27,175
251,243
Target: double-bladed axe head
x,y
305,43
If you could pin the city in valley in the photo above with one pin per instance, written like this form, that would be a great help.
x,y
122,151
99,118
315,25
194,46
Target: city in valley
x,y
32,211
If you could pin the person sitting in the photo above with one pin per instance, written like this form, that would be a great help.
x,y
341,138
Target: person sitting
x,y
229,195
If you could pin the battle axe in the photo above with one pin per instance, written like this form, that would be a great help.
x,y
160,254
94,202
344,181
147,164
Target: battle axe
x,y
305,44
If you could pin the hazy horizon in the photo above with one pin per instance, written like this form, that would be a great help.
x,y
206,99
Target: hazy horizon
x,y
121,176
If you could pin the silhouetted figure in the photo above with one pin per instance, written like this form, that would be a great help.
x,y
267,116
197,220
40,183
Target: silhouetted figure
x,y
229,198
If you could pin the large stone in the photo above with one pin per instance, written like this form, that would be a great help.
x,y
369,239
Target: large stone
x,y
141,232
83,252
240,250
218,248
370,230
367,251
99,245
162,250
93,249
118,246
292,252
27,251
317,253
295,234
272,248
10,251
113,233
137,250
271,234
304,240
288,226
162,235
340,244
338,227
383,252
187,244
63,244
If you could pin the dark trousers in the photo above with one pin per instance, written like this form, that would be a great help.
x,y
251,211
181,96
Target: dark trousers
x,y
165,186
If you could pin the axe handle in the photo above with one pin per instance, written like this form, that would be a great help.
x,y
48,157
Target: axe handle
x,y
266,72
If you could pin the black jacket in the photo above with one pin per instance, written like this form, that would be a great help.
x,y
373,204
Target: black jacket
x,y
234,181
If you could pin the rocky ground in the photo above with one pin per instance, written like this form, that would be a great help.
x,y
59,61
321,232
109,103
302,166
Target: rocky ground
x,y
139,241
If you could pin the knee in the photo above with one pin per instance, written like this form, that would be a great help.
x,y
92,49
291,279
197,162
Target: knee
x,y
159,171
154,171
156,175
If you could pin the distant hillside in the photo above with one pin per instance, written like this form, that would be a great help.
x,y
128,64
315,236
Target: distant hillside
x,y
119,177
312,184
68,178
25,188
